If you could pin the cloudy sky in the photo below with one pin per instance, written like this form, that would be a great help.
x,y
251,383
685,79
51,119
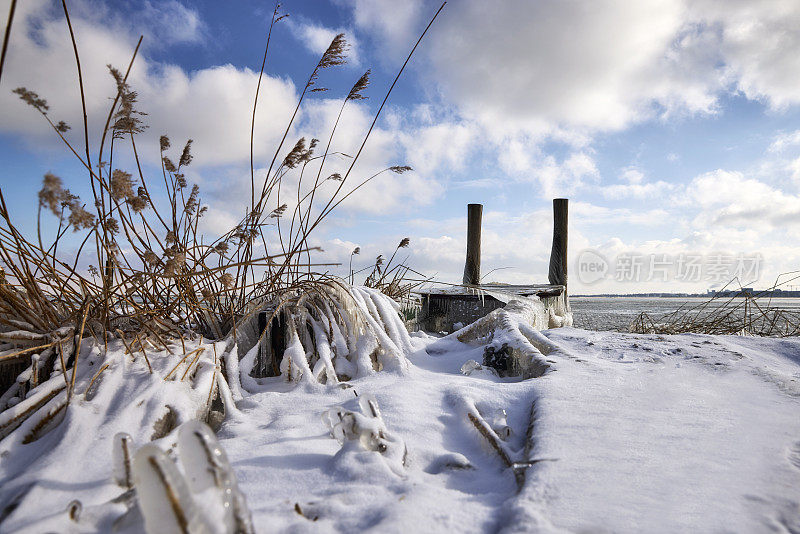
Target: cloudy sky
x,y
672,126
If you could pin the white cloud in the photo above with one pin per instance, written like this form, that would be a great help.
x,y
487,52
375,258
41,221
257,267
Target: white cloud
x,y
784,140
597,66
386,147
794,168
640,191
211,105
634,186
170,22
632,175
558,179
600,65
590,214
431,147
392,24
758,42
526,73
729,199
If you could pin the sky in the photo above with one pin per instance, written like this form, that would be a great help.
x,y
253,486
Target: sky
x,y
673,127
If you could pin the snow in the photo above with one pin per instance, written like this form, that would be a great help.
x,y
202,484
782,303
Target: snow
x,y
632,432
42,472
622,433
675,434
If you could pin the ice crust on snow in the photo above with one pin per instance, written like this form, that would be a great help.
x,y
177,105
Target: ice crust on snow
x,y
200,497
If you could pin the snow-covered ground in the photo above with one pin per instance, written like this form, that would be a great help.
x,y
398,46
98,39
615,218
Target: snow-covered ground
x,y
629,433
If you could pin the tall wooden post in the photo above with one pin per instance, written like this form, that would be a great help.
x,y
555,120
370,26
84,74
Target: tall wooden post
x,y
472,267
558,254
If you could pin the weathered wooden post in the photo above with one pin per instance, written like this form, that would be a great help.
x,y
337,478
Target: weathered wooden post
x,y
558,254
472,267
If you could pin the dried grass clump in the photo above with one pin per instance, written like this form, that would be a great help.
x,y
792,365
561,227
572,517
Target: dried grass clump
x,y
393,279
742,313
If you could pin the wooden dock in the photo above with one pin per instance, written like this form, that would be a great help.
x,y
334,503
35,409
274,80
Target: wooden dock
x,y
446,309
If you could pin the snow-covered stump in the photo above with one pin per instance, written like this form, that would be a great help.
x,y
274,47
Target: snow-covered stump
x,y
514,346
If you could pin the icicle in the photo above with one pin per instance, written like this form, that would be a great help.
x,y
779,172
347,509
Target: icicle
x,y
230,355
389,348
345,325
294,364
246,366
391,319
341,349
365,347
202,461
324,351
227,398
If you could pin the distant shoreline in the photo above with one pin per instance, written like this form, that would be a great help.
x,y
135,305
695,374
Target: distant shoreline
x,y
773,294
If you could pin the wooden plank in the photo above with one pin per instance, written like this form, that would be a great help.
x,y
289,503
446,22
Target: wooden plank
x,y
457,292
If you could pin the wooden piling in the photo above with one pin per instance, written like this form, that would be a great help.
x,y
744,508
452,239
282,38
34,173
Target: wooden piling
x,y
558,254
472,267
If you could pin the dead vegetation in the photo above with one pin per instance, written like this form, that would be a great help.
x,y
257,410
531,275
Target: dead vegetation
x,y
394,279
727,313
141,270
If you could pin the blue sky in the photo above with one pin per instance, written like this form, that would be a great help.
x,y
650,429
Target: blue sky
x,y
672,126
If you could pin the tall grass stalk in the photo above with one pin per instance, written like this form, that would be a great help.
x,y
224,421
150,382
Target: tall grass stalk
x,y
151,272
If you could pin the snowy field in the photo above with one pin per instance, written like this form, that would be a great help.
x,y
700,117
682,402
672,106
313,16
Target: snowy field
x,y
625,433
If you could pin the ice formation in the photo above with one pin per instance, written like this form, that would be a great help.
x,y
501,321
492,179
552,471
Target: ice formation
x,y
336,333
163,495
204,498
468,451
210,475
366,429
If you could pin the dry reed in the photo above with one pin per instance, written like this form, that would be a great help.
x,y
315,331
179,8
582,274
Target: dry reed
x,y
142,267
727,313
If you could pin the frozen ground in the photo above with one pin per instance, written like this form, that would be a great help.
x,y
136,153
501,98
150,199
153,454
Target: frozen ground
x,y
630,433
